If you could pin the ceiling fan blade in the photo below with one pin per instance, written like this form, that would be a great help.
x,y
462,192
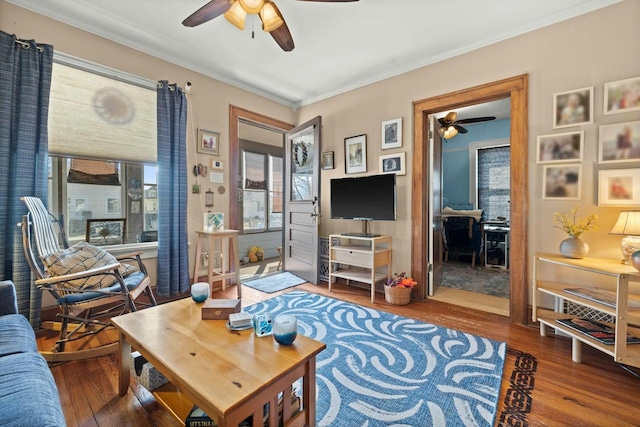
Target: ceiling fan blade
x,y
460,128
211,10
282,36
443,122
331,1
475,120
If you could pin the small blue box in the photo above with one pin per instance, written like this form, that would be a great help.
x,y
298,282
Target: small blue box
x,y
262,324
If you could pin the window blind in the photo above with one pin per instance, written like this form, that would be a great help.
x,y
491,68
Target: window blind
x,y
494,182
98,117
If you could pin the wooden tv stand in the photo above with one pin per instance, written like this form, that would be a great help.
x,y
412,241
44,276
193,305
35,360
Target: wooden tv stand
x,y
359,259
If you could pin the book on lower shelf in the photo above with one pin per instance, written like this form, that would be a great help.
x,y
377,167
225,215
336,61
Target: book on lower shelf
x,y
596,330
198,418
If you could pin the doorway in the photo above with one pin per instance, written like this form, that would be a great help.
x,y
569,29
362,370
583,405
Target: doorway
x,y
242,124
516,89
475,201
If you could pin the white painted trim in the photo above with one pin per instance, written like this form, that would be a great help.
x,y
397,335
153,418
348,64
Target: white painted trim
x,y
473,164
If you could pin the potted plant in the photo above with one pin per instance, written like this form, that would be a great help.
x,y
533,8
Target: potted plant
x,y
573,246
398,288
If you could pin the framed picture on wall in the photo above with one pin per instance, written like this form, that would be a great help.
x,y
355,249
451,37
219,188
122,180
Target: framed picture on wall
x,y
392,134
208,142
573,108
619,187
622,96
355,154
619,143
393,163
562,182
560,147
327,160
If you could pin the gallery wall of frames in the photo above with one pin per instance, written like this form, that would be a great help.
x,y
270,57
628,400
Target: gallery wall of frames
x,y
561,152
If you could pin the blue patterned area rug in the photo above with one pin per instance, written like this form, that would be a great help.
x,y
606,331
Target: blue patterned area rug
x,y
274,282
381,369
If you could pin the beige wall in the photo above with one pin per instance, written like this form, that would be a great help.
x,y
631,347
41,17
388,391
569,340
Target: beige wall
x,y
208,106
585,51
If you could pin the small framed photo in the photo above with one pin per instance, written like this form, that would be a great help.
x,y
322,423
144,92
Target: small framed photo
x,y
113,205
217,164
208,142
573,108
562,182
619,187
355,154
560,147
327,160
620,142
622,96
393,163
392,134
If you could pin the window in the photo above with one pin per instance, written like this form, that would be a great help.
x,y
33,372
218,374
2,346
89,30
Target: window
x,y
102,151
494,182
262,185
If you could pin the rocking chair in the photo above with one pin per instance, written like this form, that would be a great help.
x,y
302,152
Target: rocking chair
x,y
88,283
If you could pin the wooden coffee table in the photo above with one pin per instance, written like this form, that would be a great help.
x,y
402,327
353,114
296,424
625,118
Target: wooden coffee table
x,y
229,375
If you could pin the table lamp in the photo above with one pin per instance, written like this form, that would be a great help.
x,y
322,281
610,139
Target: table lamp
x,y
628,224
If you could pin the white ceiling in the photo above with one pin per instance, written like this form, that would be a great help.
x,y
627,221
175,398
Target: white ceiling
x,y
339,46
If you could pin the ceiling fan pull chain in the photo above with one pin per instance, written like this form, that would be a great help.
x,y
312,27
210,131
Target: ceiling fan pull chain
x,y
253,34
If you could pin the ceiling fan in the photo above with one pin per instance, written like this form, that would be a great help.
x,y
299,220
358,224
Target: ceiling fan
x,y
235,11
450,127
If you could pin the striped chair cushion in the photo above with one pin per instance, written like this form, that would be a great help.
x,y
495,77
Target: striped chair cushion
x,y
82,257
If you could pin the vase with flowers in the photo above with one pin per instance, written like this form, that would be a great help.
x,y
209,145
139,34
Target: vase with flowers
x,y
398,288
573,246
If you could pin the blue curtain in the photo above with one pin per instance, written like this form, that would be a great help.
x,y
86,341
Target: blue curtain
x,y
25,83
173,260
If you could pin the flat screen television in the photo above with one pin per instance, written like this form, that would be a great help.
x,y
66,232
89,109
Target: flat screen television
x,y
364,198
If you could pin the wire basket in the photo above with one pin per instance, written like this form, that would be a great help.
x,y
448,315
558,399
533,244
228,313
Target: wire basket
x,y
397,295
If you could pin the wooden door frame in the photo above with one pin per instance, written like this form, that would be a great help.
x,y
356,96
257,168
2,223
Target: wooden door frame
x,y
235,114
515,88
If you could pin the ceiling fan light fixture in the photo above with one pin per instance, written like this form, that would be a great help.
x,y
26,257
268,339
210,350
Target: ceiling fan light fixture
x,y
252,6
450,132
236,15
270,17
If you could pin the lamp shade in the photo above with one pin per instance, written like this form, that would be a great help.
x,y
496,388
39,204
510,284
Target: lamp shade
x,y
252,6
450,132
236,15
628,224
270,17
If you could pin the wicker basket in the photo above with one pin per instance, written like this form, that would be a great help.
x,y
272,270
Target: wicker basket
x,y
397,295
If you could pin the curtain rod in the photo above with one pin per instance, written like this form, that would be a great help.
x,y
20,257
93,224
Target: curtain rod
x,y
27,45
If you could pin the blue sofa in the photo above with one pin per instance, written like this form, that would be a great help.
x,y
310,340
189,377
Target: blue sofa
x,y
28,392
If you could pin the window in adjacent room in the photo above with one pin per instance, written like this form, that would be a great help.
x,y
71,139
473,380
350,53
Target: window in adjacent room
x,y
102,151
262,180
494,182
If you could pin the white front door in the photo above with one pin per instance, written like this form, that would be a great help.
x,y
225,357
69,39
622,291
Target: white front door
x,y
302,200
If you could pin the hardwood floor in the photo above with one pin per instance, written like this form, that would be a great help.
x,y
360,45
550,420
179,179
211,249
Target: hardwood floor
x,y
596,392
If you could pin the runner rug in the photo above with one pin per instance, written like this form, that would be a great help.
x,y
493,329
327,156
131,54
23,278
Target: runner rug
x,y
381,369
274,282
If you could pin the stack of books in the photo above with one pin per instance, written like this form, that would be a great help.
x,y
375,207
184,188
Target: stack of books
x,y
240,320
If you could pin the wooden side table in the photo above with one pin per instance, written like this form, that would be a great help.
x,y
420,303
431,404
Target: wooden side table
x,y
227,242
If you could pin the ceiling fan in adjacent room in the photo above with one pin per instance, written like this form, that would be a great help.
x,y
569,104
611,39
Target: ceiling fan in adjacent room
x,y
236,11
450,127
